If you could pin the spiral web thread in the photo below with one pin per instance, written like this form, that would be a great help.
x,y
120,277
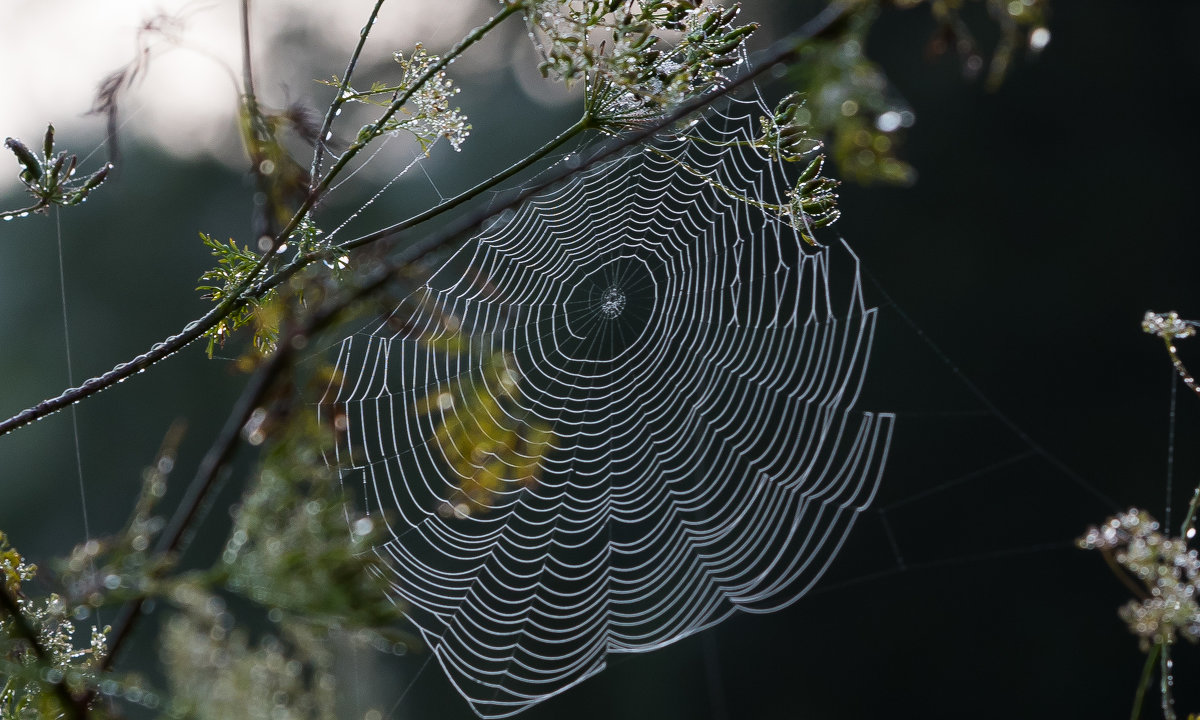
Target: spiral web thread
x,y
613,418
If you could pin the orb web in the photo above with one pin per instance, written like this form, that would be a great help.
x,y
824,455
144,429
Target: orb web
x,y
615,417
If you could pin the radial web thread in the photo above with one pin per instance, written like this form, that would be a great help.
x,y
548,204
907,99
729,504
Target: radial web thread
x,y
613,418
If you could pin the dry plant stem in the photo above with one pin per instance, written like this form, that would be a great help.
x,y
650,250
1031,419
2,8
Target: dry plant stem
x,y
237,297
340,99
253,120
75,707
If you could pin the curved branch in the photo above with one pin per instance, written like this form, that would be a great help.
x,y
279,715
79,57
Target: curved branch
x,y
238,296
782,51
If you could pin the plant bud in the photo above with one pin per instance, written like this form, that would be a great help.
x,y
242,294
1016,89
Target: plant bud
x,y
26,158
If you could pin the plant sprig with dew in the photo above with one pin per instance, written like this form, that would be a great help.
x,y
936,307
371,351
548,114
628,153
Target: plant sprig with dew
x,y
1160,569
50,177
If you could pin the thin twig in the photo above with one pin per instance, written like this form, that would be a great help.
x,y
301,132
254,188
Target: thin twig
x,y
256,133
340,98
1147,672
303,261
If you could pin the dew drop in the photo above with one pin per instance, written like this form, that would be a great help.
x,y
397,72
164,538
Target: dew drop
x,y
1039,38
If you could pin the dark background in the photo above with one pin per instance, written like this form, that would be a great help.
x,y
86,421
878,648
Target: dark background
x,y
1047,218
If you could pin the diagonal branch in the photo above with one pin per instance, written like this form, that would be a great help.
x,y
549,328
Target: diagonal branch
x,y
782,51
238,295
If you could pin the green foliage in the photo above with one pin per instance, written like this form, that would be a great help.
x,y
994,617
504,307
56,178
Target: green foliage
x,y
489,443
215,671
1020,22
289,549
849,101
236,268
40,665
50,178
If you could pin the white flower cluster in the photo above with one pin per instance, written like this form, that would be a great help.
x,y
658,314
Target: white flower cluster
x,y
428,114
1167,568
1168,326
637,58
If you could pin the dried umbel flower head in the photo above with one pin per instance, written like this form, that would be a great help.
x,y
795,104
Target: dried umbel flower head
x,y
1168,326
1165,567
637,58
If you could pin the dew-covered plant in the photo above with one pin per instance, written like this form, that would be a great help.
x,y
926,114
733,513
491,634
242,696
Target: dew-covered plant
x,y
297,555
1160,569
50,177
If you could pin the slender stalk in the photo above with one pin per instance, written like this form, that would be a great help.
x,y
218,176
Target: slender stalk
x,y
1166,674
1189,520
1188,379
1147,671
340,99
1123,575
247,71
23,211
302,261
471,38
584,123
256,132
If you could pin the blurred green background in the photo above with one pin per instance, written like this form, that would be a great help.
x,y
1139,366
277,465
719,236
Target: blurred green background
x,y
1048,216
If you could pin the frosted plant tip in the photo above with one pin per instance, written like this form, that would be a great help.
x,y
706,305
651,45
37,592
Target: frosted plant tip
x,y
1168,326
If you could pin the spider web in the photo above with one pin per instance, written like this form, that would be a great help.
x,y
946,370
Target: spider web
x,y
613,418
